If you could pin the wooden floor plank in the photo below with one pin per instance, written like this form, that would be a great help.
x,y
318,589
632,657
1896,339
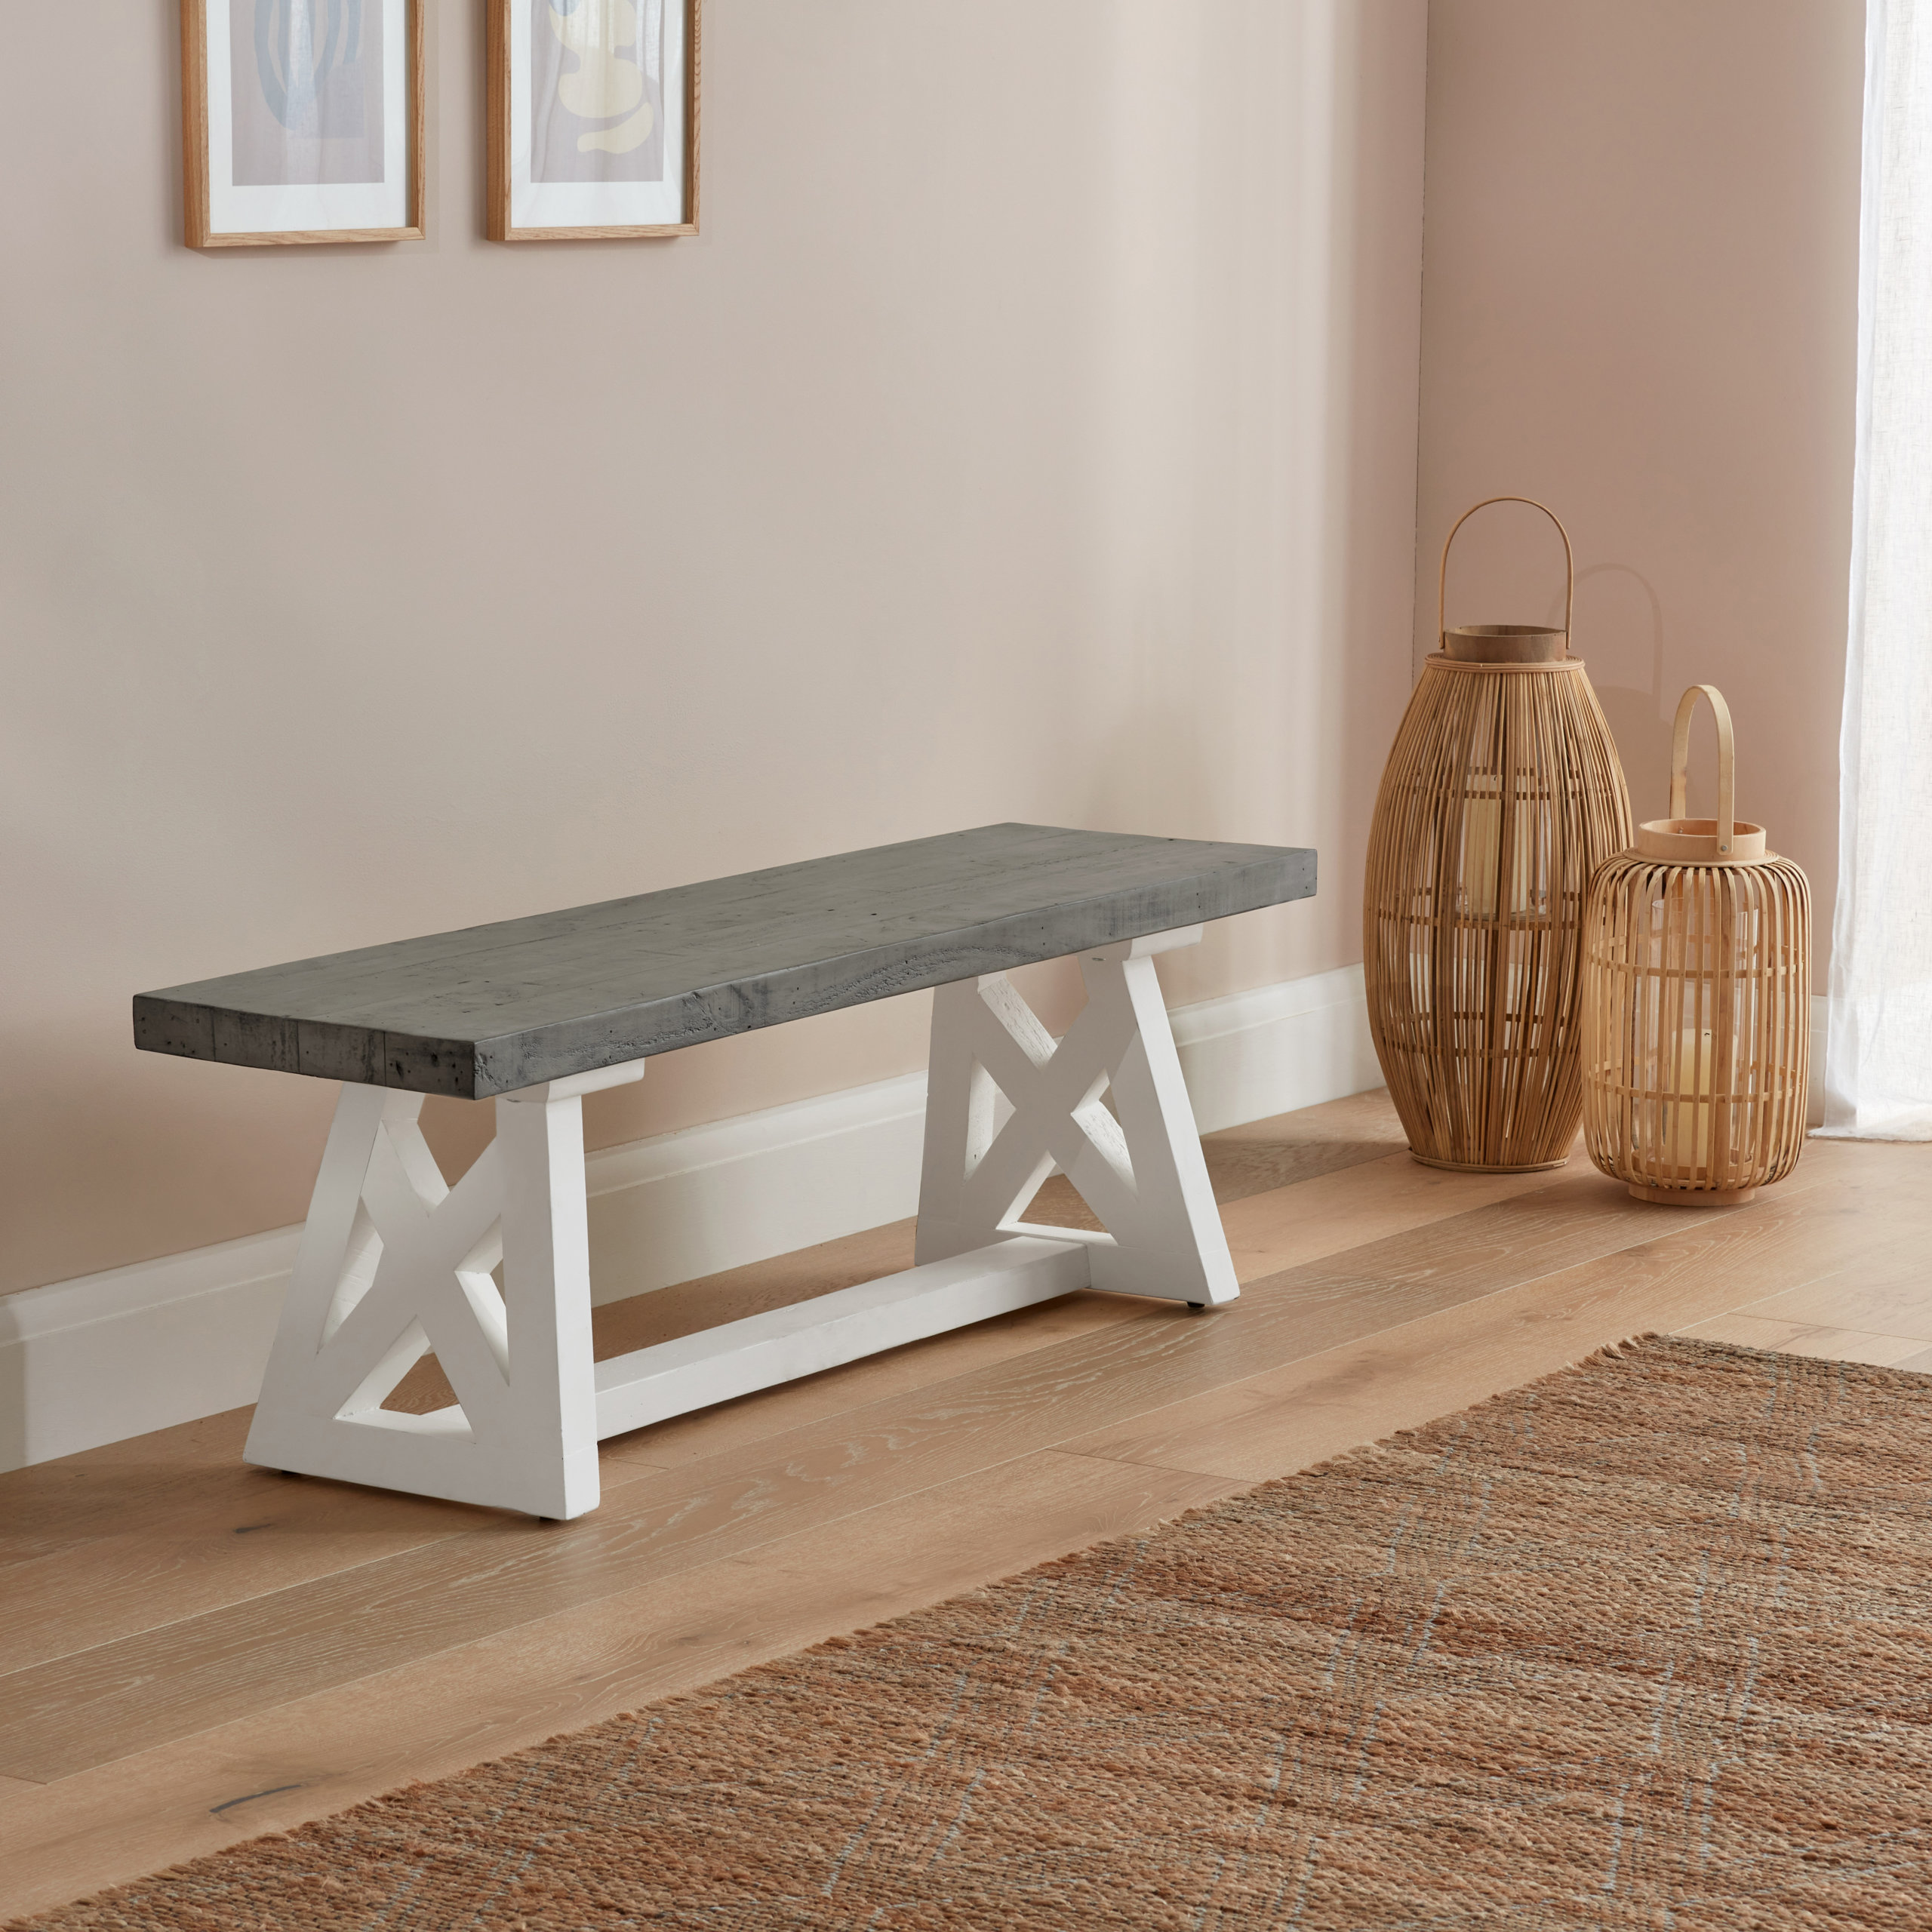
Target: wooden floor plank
x,y
235,1533
1796,1338
115,1587
1888,1292
437,1715
1331,1213
164,1478
1700,1264
1265,1155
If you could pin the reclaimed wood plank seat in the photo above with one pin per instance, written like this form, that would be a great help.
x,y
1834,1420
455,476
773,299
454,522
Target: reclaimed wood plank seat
x,y
536,1012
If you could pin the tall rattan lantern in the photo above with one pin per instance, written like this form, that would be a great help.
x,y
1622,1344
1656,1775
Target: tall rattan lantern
x,y
1502,796
1697,1000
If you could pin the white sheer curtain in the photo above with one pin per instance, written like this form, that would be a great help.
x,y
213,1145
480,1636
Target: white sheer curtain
x,y
1879,1057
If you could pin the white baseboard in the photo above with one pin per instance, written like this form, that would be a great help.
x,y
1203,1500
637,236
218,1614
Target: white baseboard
x,y
1275,1048
696,1202
108,1356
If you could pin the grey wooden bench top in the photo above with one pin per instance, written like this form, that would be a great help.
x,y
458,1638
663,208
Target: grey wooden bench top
x,y
492,1008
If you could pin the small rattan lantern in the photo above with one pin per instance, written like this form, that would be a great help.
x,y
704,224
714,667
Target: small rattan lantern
x,y
1696,1000
1502,793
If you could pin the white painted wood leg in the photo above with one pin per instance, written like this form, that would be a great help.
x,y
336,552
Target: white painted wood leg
x,y
1139,1167
394,1263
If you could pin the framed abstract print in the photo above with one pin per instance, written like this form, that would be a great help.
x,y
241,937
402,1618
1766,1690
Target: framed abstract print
x,y
301,121
593,118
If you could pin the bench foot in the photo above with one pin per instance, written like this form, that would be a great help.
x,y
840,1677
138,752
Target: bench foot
x,y
1137,1164
394,1264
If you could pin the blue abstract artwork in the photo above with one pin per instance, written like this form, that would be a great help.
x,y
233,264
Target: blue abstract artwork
x,y
307,90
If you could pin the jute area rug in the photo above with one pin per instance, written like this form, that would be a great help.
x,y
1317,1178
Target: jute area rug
x,y
1646,1644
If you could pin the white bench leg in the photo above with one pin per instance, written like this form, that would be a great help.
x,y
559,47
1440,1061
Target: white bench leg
x,y
394,1263
1139,1167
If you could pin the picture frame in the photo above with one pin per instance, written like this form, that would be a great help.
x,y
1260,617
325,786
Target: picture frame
x,y
302,122
605,150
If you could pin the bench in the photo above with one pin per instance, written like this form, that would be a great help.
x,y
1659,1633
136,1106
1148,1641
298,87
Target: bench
x,y
536,1013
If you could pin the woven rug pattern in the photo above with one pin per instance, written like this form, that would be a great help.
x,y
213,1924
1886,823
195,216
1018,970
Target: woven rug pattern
x,y
1646,1644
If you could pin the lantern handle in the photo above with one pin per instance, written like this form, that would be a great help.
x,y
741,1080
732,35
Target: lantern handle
x,y
1569,561
1680,759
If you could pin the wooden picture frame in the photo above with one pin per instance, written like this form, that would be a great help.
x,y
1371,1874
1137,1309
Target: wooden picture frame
x,y
558,189
278,148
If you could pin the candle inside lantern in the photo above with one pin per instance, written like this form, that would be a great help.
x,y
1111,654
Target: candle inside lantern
x,y
1482,841
1482,857
1688,1076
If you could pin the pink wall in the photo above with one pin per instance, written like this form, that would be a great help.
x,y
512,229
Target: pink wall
x,y
1029,434
1639,303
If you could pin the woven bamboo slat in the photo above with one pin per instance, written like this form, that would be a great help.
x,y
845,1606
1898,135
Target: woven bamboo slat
x,y
1696,1025
1502,794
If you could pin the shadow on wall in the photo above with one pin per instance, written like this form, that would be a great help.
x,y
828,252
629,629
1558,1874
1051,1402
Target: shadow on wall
x,y
1255,465
1506,567
13,1390
1620,635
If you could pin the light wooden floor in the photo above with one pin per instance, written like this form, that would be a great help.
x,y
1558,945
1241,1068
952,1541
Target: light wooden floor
x,y
192,1652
